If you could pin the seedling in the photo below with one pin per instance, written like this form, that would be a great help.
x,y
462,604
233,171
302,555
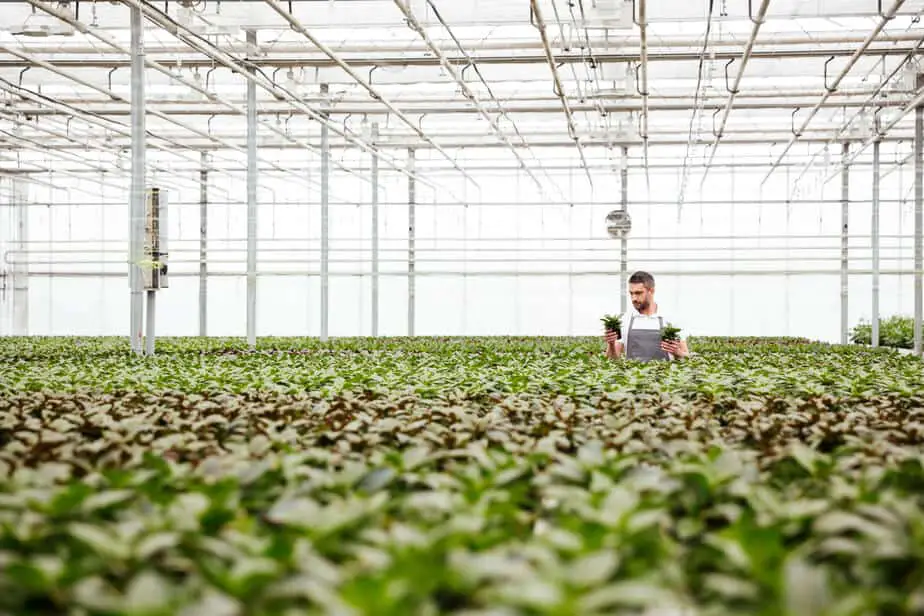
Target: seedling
x,y
670,333
613,324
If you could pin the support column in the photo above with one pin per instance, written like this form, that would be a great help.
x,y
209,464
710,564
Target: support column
x,y
918,219
20,271
623,241
251,204
375,231
136,209
203,244
411,225
325,221
875,244
845,220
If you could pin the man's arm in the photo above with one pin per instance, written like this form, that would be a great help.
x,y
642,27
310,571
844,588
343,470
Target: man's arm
x,y
614,349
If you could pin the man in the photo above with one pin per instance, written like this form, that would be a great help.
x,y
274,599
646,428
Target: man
x,y
641,327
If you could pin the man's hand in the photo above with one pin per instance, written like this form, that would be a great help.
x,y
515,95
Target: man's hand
x,y
613,345
677,348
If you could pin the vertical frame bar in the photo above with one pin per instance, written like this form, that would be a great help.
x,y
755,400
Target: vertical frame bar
x,y
624,241
325,220
918,220
203,244
411,223
251,204
845,238
20,271
375,231
875,244
136,209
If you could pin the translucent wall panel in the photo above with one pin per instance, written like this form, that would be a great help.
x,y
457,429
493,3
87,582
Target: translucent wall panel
x,y
536,262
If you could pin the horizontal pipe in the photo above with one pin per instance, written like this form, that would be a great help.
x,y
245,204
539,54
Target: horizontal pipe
x,y
504,274
601,238
180,53
401,60
109,109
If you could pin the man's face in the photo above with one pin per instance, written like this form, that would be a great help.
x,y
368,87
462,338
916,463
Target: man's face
x,y
641,296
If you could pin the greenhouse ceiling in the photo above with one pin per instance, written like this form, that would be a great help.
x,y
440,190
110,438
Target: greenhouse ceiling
x,y
582,76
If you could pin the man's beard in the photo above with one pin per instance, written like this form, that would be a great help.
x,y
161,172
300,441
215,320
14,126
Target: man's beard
x,y
641,306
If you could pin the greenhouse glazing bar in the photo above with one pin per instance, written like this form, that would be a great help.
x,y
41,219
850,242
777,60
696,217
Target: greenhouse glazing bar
x,y
203,244
136,230
411,222
325,221
20,272
918,219
875,233
623,241
251,203
375,231
845,239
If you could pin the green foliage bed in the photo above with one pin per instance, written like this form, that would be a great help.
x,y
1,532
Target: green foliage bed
x,y
894,331
459,476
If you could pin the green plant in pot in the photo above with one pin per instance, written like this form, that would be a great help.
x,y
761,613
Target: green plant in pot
x,y
612,323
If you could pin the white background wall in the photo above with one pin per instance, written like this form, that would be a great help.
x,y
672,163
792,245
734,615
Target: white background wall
x,y
90,217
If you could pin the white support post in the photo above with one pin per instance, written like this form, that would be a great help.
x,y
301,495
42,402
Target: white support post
x,y
375,232
20,271
918,219
411,224
325,221
623,241
875,244
137,207
251,203
203,244
845,236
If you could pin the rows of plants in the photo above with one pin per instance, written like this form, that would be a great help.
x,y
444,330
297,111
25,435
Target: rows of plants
x,y
895,331
459,476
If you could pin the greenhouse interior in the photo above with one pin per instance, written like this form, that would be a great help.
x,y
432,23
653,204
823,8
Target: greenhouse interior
x,y
360,306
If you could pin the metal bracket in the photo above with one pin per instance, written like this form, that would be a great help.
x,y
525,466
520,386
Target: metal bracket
x,y
110,81
828,88
638,87
208,75
727,86
634,18
751,14
793,122
555,89
21,73
881,14
715,134
209,124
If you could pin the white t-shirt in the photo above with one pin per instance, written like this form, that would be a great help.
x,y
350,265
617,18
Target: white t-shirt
x,y
642,321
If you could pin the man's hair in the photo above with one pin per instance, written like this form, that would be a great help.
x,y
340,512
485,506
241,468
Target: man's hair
x,y
642,278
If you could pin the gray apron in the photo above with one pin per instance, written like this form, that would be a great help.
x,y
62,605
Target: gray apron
x,y
645,344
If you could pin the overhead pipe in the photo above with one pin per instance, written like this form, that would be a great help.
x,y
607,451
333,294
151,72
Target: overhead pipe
x,y
298,27
50,148
559,90
175,52
883,20
172,147
733,92
870,99
499,273
880,133
642,24
492,122
378,60
235,65
215,55
455,106
83,29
